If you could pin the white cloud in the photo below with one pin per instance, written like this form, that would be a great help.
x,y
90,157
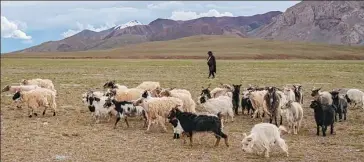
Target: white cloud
x,y
81,27
10,29
165,5
183,15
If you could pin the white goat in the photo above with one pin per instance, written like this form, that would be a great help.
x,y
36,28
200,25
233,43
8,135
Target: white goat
x,y
262,137
294,115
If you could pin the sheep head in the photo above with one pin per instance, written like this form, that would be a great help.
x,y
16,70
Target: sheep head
x,y
6,88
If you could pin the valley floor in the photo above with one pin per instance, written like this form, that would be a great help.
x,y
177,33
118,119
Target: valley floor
x,y
71,136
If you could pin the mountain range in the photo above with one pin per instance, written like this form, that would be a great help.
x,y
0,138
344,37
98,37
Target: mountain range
x,y
332,22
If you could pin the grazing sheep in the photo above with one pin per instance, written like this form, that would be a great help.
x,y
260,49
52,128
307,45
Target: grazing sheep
x,y
323,97
148,85
97,108
257,100
86,95
125,109
125,95
355,98
158,108
44,83
188,104
14,89
235,98
191,123
180,91
113,85
227,86
262,137
294,115
324,116
272,101
220,104
36,98
340,103
298,92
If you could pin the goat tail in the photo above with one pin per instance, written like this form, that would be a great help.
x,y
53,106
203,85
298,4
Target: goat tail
x,y
282,129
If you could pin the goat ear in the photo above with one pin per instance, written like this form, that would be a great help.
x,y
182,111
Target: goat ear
x,y
97,99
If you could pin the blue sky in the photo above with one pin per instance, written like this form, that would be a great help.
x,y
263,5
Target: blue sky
x,y
25,24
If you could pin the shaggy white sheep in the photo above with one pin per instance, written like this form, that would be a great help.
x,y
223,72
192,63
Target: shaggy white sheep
x,y
36,98
222,104
355,98
148,85
188,104
262,137
158,109
294,115
14,89
125,95
44,83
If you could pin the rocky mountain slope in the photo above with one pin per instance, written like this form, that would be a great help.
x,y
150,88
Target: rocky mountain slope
x,y
158,30
333,22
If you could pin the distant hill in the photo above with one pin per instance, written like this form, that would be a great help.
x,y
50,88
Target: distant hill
x,y
333,22
224,47
158,30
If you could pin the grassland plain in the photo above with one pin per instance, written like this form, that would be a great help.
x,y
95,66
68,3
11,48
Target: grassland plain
x,y
224,47
72,136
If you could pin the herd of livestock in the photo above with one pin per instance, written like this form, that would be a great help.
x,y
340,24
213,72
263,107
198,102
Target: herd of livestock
x,y
154,104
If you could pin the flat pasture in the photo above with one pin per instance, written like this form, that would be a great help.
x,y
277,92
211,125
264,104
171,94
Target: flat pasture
x,y
71,136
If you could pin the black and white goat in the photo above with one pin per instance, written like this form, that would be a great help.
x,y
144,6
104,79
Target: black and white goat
x,y
191,123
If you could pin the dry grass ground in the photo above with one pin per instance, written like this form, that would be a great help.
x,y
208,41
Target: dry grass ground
x,y
224,47
72,137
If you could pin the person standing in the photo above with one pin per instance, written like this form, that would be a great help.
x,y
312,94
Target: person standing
x,y
211,62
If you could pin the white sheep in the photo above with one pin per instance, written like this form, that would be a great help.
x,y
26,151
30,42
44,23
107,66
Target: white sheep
x,y
216,92
294,115
188,104
36,98
125,95
13,88
148,85
158,109
44,83
222,104
262,137
355,98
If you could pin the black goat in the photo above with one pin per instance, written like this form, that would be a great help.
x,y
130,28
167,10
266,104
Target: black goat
x,y
324,116
236,94
191,123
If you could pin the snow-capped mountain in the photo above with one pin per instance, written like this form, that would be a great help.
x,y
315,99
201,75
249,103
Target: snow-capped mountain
x,y
128,24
